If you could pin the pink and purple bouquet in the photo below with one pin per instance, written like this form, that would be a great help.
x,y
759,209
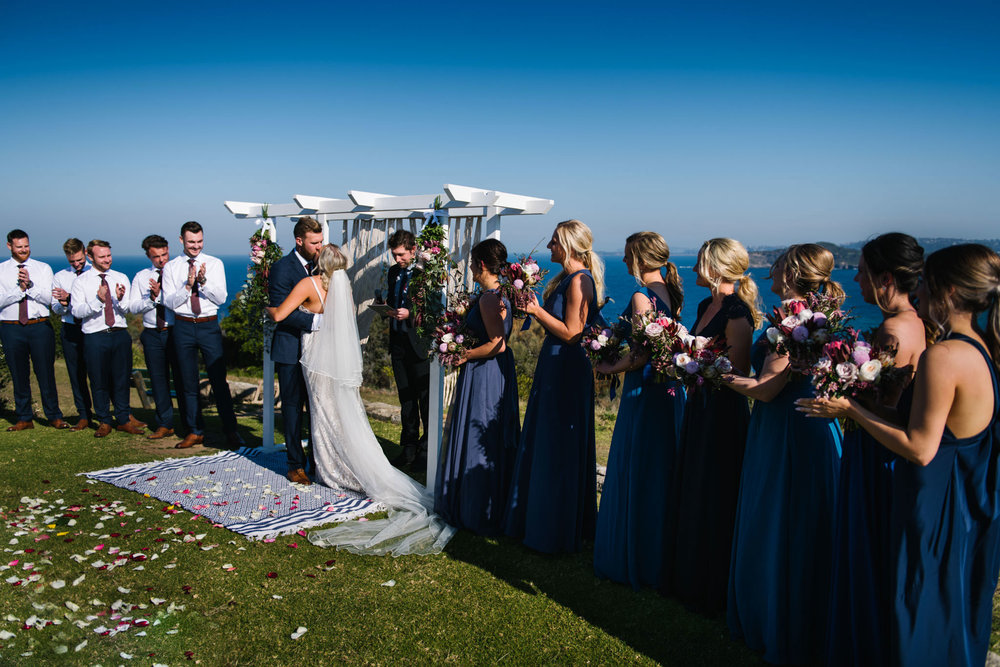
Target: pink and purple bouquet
x,y
605,343
661,337
801,328
452,339
519,281
700,360
851,366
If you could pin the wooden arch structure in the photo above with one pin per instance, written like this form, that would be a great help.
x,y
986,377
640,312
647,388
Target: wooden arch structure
x,y
362,224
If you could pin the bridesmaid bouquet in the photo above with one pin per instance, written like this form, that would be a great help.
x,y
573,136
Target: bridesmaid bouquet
x,y
801,328
701,360
520,279
604,343
661,337
850,367
451,337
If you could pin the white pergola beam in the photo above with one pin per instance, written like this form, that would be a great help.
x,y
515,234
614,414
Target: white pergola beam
x,y
244,209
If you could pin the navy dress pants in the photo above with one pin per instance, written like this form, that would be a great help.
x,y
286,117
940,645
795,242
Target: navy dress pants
x,y
109,364
27,345
161,361
204,338
292,384
76,366
412,375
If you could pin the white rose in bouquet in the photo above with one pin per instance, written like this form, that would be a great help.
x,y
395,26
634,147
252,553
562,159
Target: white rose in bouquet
x,y
700,342
870,370
602,339
681,359
447,338
823,366
790,322
774,335
805,315
847,371
653,330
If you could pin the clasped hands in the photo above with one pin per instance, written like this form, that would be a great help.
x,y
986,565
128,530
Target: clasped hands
x,y
828,408
196,276
103,292
398,313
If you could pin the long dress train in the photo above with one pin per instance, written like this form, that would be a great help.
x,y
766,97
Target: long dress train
x,y
332,365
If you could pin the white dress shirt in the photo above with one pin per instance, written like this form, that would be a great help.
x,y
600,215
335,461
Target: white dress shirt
x,y
89,310
39,294
143,304
211,295
64,280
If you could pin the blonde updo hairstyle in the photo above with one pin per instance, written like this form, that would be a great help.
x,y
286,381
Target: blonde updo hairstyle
x,y
648,251
330,259
966,278
577,241
726,260
807,267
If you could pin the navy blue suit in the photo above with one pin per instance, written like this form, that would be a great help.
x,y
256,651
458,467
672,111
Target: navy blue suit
x,y
410,366
286,346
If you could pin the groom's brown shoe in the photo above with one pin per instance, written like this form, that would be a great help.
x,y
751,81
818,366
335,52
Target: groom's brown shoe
x,y
21,426
191,440
298,476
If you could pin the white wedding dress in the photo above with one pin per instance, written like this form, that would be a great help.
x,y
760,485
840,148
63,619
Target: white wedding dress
x,y
348,455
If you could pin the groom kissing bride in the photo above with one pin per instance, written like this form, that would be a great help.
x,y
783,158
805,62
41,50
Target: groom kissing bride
x,y
347,454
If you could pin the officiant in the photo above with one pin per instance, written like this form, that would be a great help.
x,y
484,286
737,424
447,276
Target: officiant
x,y
410,365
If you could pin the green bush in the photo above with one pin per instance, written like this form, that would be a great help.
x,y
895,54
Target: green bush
x,y
376,363
242,341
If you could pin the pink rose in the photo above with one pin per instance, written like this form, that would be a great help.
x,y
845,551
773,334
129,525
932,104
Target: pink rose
x,y
795,307
443,347
518,284
594,345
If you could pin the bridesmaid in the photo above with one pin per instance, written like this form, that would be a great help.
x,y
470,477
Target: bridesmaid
x,y
476,465
630,540
945,523
713,434
888,273
779,579
553,498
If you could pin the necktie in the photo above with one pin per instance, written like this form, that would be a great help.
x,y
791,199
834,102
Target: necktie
x,y
109,311
79,271
195,299
310,267
161,320
22,306
404,275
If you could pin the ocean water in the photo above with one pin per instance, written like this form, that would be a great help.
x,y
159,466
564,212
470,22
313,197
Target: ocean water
x,y
619,285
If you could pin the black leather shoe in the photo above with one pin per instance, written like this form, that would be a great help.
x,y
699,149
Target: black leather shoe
x,y
406,457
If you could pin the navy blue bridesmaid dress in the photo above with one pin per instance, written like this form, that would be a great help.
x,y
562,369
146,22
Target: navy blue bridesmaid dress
x,y
553,497
477,462
779,579
631,523
946,536
707,481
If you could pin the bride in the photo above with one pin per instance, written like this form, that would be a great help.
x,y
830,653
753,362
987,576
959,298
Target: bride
x,y
347,454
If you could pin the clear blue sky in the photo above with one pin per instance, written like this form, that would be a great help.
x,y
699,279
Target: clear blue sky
x,y
770,122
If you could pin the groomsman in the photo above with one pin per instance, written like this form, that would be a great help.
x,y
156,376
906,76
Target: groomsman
x,y
71,333
410,365
194,286
157,335
100,299
286,344
26,333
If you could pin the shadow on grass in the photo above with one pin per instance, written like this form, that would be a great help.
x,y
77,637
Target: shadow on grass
x,y
657,627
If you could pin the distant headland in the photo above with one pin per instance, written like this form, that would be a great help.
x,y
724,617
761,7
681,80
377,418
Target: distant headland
x,y
846,256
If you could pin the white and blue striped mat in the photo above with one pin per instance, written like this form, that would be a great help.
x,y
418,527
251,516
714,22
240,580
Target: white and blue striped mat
x,y
244,491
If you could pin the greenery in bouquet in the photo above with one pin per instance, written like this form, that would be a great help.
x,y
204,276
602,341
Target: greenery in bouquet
x,y
800,328
661,337
518,282
604,343
264,252
853,367
434,262
452,338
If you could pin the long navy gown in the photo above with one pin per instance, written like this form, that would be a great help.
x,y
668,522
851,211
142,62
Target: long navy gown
x,y
631,522
707,481
779,579
553,498
477,462
946,532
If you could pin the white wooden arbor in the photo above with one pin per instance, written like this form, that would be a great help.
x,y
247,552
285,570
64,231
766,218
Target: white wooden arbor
x,y
361,225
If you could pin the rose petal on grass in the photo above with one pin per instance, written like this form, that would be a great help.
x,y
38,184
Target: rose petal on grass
x,y
389,584
301,630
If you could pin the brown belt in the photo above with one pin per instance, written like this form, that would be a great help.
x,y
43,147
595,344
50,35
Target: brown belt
x,y
34,321
196,320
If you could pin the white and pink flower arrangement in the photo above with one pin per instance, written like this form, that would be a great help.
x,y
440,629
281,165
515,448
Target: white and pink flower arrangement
x,y
452,340
520,279
604,343
851,366
800,328
675,354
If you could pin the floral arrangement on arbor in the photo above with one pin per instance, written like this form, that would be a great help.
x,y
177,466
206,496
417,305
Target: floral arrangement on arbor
x,y
264,252
452,338
434,263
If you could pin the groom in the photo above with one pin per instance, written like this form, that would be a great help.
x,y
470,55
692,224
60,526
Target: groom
x,y
286,343
410,365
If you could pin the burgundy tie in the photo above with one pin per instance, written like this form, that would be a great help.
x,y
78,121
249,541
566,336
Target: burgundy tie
x,y
22,306
195,299
161,320
109,311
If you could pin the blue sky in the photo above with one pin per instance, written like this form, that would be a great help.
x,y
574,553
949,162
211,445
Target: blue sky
x,y
770,122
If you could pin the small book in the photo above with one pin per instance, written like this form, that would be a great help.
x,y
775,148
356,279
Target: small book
x,y
381,308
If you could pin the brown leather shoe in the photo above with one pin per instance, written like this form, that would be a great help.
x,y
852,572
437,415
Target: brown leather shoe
x,y
160,433
59,424
129,427
234,440
135,422
298,476
80,425
191,440
102,430
21,426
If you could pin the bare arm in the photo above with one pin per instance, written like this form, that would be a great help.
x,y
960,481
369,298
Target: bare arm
x,y
767,384
578,297
634,359
739,335
300,294
493,311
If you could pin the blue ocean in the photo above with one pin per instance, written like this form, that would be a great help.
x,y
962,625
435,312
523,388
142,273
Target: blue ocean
x,y
619,284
